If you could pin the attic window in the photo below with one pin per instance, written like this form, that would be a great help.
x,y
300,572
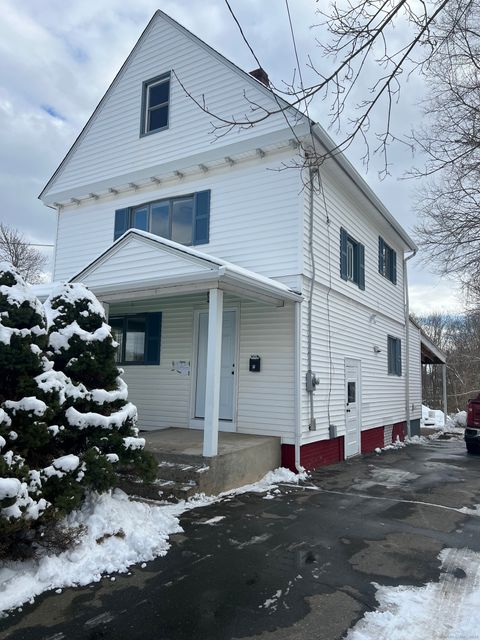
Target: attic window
x,y
155,104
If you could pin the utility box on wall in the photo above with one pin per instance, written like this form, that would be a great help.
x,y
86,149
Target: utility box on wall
x,y
254,364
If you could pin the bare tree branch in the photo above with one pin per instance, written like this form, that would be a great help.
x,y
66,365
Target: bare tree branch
x,y
14,248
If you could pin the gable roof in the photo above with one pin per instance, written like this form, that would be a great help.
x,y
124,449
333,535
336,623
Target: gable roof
x,y
160,14
170,264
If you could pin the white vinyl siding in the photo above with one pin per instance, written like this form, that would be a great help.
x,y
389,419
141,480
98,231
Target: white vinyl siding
x,y
352,332
254,219
112,144
265,400
348,208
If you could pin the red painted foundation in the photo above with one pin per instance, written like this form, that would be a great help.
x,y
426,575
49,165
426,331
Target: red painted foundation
x,y
371,439
323,452
314,454
400,430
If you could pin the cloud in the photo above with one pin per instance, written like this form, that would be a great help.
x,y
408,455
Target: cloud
x,y
57,59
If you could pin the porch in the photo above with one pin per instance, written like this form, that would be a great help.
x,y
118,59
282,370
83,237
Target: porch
x,y
184,471
220,363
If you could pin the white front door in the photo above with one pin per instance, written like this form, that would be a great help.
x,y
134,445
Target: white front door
x,y
228,367
353,407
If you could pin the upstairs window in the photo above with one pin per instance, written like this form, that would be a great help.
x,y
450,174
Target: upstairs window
x,y
138,338
185,219
394,348
155,104
387,261
352,260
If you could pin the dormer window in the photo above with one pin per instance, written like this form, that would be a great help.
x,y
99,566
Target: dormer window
x,y
155,104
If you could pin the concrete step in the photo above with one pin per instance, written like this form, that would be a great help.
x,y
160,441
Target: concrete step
x,y
180,471
160,489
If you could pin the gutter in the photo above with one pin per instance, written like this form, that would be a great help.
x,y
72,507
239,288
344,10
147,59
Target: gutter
x,y
407,341
298,384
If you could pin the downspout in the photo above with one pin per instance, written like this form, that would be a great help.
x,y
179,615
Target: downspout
x,y
310,376
407,341
298,384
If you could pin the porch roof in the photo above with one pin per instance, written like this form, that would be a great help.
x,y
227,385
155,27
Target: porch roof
x,y
141,264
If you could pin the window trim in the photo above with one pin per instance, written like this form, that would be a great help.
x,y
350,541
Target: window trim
x,y
394,366
164,77
200,218
148,206
144,316
386,261
357,253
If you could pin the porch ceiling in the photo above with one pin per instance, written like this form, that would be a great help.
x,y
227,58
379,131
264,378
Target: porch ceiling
x,y
141,265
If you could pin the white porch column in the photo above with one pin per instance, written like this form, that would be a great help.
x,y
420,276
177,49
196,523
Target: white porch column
x,y
214,361
444,381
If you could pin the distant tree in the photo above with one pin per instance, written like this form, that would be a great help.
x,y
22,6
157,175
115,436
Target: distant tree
x,y
15,249
450,200
459,338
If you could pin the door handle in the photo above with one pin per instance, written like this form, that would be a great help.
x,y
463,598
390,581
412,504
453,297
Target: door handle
x,y
348,410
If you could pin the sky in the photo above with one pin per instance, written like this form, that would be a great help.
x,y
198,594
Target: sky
x,y
58,57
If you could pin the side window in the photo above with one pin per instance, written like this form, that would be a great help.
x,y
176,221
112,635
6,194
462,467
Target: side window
x,y
352,260
155,104
387,261
394,349
185,219
138,337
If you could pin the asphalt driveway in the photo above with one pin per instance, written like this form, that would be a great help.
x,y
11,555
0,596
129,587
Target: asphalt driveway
x,y
297,566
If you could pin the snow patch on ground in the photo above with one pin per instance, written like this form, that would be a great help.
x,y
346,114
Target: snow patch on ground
x,y
398,444
445,610
390,478
114,533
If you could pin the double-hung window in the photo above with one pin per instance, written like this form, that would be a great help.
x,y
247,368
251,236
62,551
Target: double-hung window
x,y
155,104
138,337
394,349
185,219
352,260
387,261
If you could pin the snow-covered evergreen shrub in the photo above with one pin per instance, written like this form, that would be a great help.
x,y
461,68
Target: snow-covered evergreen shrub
x,y
99,422
26,410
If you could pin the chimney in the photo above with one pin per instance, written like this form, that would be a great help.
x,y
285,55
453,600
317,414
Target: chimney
x,y
261,75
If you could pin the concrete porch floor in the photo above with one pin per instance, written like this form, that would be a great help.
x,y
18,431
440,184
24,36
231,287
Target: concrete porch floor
x,y
184,471
189,442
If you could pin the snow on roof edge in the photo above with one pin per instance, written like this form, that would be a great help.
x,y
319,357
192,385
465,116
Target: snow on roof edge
x,y
230,266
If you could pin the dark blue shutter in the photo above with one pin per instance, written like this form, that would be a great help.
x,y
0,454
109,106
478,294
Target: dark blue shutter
x,y
153,337
381,252
343,255
122,223
393,266
201,223
361,265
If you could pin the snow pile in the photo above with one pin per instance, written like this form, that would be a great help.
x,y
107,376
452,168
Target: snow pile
x,y
118,533
432,418
115,532
458,420
398,444
448,609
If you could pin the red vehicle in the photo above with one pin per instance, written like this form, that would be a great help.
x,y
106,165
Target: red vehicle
x,y
472,431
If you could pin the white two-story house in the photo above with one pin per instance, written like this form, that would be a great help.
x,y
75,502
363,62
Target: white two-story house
x,y
245,296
